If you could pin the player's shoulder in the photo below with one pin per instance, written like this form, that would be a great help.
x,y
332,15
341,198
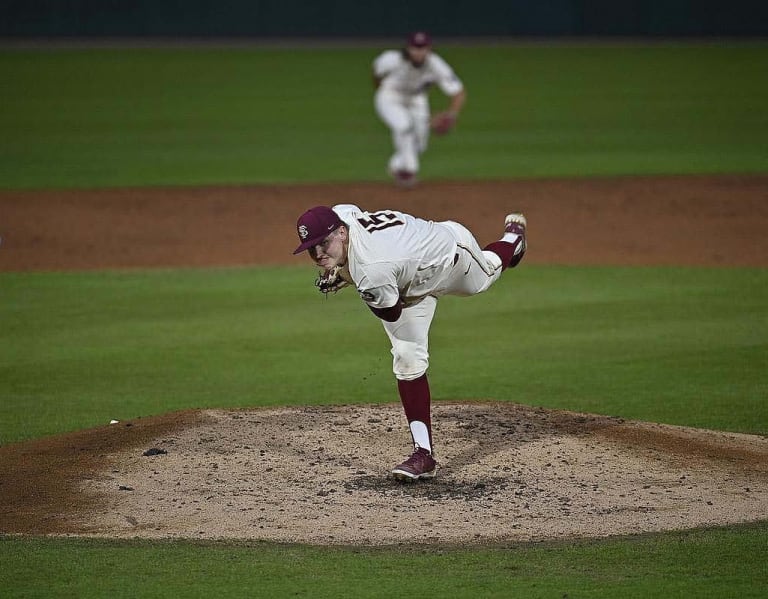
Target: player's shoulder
x,y
388,59
437,62
348,213
391,54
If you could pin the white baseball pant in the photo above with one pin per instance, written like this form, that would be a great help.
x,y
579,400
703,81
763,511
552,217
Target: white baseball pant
x,y
408,119
474,271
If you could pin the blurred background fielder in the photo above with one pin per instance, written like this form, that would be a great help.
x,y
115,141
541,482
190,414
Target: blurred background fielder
x,y
402,79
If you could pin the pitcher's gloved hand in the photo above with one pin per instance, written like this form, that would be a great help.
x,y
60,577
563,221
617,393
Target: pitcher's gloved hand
x,y
330,281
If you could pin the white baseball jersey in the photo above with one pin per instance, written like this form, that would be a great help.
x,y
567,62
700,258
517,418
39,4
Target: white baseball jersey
x,y
394,255
399,75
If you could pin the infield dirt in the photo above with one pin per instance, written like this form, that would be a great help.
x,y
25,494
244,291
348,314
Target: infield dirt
x,y
319,475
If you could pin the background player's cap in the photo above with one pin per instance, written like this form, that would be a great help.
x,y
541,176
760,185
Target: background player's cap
x,y
419,39
315,225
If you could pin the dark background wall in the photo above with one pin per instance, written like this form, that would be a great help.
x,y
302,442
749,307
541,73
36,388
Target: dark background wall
x,y
358,18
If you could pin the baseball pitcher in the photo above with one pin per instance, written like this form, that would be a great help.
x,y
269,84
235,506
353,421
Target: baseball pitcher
x,y
400,266
402,79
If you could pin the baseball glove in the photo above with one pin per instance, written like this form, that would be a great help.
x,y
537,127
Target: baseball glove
x,y
443,122
330,281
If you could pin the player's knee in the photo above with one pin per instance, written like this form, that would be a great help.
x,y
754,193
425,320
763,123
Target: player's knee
x,y
409,377
402,128
410,360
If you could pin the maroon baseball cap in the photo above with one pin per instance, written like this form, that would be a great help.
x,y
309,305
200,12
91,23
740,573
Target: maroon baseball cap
x,y
419,39
315,225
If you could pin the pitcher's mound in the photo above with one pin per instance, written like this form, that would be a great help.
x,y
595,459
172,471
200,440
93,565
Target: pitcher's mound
x,y
320,475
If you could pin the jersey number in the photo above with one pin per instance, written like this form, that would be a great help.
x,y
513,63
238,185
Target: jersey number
x,y
377,221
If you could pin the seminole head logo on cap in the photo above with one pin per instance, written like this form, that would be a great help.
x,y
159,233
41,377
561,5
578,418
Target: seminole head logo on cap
x,y
315,225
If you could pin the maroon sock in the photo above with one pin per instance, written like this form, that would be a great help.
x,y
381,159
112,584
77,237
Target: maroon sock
x,y
416,401
506,251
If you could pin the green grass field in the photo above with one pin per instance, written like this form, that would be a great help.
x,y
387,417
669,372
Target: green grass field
x,y
92,118
674,345
683,346
706,564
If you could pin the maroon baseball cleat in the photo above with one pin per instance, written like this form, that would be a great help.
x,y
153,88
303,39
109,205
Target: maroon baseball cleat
x,y
420,465
405,178
515,223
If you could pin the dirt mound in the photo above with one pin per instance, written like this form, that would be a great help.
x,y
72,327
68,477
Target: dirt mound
x,y
319,475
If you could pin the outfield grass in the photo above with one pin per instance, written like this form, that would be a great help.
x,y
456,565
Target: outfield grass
x,y
703,564
675,345
94,118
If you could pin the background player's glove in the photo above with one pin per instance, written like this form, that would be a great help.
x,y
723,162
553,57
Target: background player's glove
x,y
443,122
330,281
